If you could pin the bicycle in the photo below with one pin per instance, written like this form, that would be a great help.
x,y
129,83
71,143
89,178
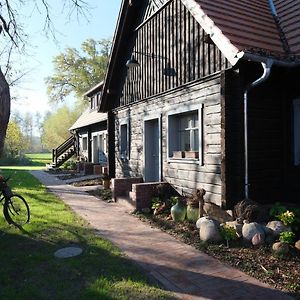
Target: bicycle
x,y
15,208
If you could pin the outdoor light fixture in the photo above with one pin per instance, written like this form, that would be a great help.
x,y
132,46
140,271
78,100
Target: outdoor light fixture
x,y
169,71
133,63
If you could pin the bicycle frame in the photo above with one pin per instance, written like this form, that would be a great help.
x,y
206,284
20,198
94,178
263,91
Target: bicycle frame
x,y
5,190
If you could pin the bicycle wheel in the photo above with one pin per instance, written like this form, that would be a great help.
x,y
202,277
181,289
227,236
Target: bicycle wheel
x,y
16,210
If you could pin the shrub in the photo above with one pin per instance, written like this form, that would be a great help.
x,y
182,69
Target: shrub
x,y
155,203
287,237
228,233
287,217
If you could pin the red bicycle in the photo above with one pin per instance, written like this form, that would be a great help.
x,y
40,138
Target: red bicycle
x,y
15,208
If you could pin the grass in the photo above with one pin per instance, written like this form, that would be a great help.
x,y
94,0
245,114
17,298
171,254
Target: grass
x,y
39,158
31,161
29,269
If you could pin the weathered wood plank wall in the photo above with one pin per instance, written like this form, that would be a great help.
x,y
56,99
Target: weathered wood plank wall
x,y
183,176
172,50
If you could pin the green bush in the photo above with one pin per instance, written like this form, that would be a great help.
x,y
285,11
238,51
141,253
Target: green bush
x,y
287,237
228,233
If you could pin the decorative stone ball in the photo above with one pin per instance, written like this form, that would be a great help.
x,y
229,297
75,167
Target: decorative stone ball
x,y
277,227
201,220
209,231
280,248
250,229
297,245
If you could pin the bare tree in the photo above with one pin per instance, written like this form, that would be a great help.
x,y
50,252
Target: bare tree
x,y
4,108
13,36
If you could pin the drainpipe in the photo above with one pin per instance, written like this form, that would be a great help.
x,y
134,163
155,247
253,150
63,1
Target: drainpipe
x,y
266,72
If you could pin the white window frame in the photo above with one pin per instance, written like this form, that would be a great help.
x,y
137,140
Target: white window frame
x,y
183,109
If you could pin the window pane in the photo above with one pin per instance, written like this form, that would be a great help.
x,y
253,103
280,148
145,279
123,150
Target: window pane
x,y
84,143
124,139
195,146
184,122
185,143
183,132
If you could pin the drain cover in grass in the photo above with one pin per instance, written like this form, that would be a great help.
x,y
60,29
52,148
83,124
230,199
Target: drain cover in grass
x,y
68,252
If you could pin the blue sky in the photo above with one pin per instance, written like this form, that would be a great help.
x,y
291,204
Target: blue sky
x,y
70,32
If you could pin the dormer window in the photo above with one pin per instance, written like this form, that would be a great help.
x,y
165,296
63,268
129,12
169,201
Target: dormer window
x,y
95,101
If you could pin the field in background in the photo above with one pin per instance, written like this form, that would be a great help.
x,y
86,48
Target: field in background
x,y
40,158
30,161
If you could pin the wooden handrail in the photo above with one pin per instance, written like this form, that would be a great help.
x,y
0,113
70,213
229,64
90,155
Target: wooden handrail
x,y
61,149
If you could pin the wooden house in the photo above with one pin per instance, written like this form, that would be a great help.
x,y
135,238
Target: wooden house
x,y
90,130
206,94
88,140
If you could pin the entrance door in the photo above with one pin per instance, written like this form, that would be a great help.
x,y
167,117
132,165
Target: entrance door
x,y
152,150
95,149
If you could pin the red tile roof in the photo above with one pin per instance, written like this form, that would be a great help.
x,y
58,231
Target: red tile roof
x,y
289,14
243,26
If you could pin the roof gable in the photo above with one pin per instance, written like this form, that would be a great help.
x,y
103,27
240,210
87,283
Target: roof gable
x,y
153,7
240,29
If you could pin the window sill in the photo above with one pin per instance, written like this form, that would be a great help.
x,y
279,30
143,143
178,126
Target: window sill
x,y
183,160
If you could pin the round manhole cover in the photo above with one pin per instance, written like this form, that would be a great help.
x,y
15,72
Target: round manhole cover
x,y
68,252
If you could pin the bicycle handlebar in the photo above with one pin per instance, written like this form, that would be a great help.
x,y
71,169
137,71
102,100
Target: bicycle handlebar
x,y
4,179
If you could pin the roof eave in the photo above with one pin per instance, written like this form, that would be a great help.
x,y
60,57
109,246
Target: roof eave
x,y
246,55
113,55
93,89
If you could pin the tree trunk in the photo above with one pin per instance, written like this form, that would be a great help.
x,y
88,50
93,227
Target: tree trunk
x,y
4,109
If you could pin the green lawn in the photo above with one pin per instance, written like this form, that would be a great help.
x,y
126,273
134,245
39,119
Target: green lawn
x,y
29,269
40,158
32,161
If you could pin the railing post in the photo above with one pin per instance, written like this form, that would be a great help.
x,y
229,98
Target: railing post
x,y
55,157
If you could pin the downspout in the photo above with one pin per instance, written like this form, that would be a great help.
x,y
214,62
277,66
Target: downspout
x,y
266,72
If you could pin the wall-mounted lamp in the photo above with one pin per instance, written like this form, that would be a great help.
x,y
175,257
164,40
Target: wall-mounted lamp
x,y
167,71
132,62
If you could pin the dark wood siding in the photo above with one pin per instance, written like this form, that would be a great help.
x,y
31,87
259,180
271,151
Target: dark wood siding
x,y
272,175
172,50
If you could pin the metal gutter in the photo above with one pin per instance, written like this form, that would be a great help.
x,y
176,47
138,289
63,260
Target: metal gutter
x,y
264,59
266,73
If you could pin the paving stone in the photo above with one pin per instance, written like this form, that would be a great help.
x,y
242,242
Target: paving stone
x,y
68,252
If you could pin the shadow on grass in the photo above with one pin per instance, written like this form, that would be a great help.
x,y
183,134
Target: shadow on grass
x,y
29,269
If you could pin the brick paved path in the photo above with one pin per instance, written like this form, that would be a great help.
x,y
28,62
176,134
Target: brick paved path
x,y
180,268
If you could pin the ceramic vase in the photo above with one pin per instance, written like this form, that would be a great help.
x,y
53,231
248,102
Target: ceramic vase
x,y
178,211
